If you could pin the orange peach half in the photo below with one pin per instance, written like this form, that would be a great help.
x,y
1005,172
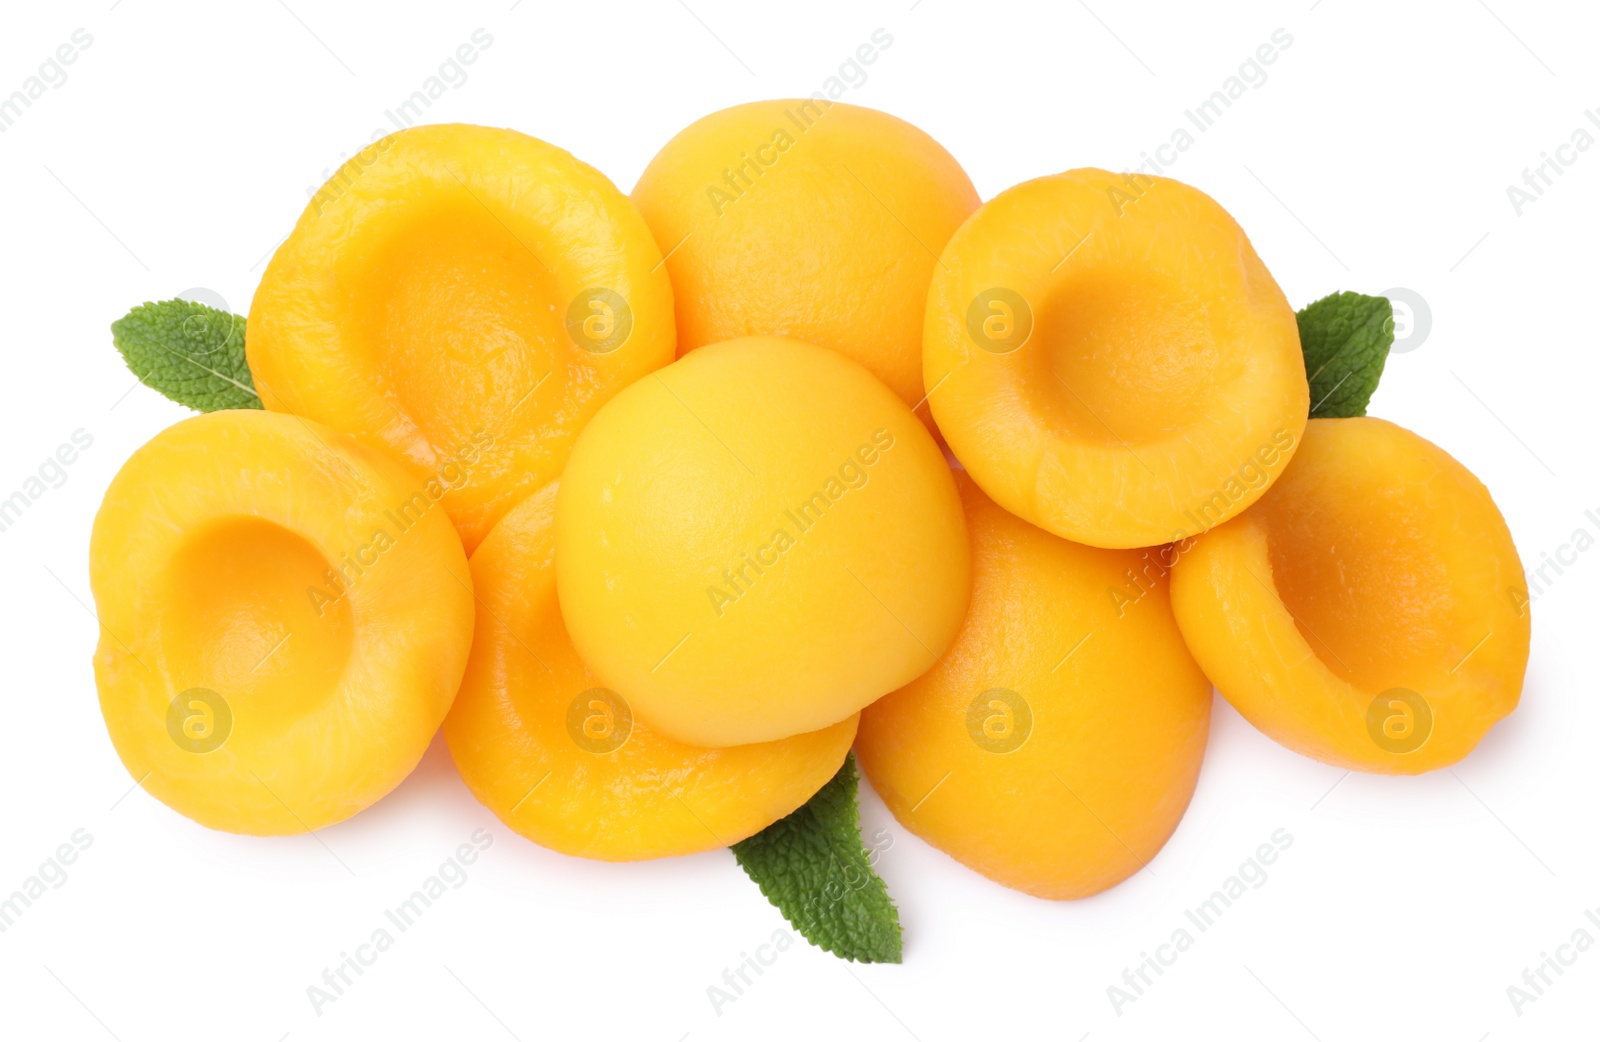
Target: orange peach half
x,y
1110,359
562,760
1370,611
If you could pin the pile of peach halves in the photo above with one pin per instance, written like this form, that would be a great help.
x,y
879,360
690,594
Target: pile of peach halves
x,y
662,504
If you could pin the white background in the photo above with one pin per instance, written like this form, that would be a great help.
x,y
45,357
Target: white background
x,y
1376,155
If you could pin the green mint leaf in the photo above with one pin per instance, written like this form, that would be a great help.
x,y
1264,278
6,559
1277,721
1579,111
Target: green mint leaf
x,y
813,867
191,353
1345,338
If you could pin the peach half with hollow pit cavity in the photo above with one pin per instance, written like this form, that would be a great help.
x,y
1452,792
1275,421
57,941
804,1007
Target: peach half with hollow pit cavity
x,y
463,298
1370,611
1110,359
284,619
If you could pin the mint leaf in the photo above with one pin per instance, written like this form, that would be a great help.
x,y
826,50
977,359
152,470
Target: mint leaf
x,y
813,867
1345,338
191,353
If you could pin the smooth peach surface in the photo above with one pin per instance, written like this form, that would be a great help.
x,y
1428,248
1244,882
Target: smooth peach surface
x,y
563,761
1110,359
806,218
757,541
464,298
284,618
1058,741
1370,611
